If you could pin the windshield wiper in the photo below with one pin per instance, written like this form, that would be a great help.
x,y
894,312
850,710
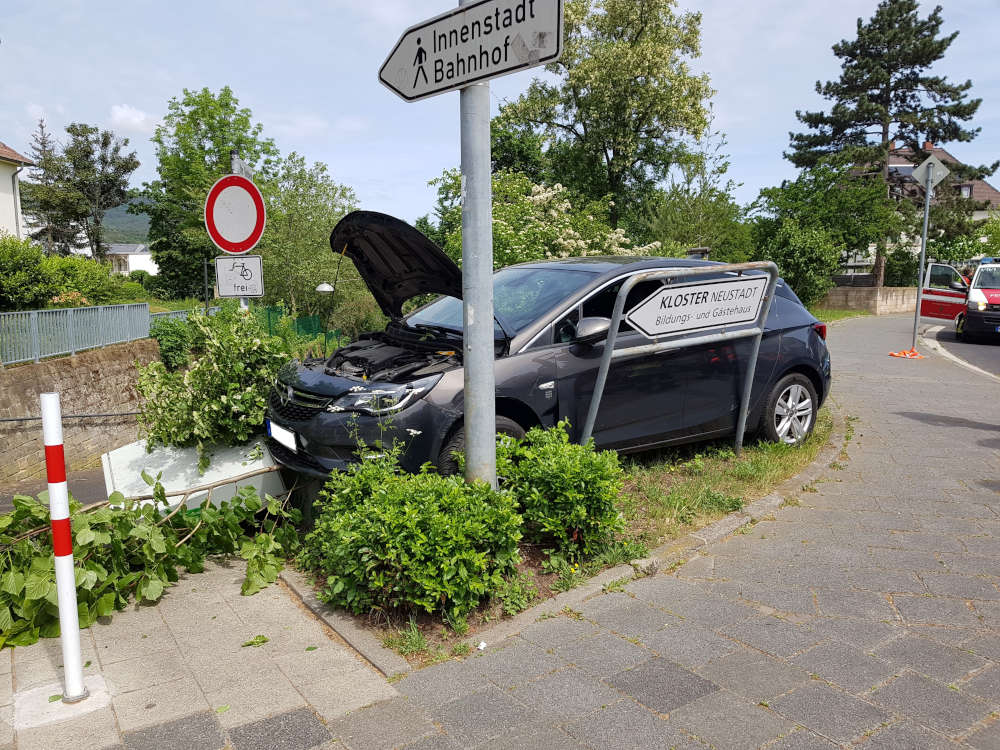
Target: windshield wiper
x,y
436,329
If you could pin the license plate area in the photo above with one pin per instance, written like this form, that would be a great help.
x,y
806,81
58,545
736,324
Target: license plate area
x,y
281,435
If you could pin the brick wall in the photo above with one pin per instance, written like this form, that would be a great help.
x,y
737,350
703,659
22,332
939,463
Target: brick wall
x,y
884,301
98,381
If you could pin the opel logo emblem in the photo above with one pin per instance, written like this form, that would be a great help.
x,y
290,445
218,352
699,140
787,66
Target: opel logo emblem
x,y
285,397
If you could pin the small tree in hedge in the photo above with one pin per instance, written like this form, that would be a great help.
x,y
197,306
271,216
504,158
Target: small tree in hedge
x,y
566,491
174,338
806,258
24,280
396,542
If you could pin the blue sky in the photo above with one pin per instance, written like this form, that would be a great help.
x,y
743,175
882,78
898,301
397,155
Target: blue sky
x,y
308,70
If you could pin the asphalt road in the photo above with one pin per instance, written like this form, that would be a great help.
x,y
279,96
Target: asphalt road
x,y
984,353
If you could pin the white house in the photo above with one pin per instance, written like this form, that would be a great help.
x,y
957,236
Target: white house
x,y
126,258
11,218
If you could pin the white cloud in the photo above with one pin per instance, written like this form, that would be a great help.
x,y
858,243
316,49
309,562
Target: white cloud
x,y
35,111
350,125
130,119
298,125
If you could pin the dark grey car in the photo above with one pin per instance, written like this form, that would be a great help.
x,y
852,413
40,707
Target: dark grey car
x,y
406,382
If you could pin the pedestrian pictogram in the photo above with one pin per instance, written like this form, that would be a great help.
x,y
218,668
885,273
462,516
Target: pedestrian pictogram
x,y
419,61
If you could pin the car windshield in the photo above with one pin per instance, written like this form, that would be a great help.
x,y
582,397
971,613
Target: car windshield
x,y
987,278
520,296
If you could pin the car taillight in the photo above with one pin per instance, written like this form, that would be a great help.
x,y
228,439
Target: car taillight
x,y
820,328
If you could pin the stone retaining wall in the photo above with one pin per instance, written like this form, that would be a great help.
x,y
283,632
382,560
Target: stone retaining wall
x,y
883,301
99,381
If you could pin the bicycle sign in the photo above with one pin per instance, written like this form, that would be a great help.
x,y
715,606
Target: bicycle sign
x,y
240,276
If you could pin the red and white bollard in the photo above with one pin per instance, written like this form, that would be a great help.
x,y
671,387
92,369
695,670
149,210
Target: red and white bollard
x,y
62,545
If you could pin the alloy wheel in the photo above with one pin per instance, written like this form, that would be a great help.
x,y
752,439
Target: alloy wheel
x,y
793,414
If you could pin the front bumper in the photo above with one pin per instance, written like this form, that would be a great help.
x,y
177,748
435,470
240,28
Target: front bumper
x,y
983,322
328,442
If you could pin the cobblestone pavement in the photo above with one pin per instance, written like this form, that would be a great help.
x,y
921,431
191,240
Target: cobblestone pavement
x,y
866,616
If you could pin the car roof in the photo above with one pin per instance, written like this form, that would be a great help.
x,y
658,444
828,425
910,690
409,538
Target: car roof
x,y
600,264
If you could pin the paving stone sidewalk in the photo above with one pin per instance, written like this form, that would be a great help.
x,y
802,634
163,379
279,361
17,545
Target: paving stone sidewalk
x,y
179,678
867,616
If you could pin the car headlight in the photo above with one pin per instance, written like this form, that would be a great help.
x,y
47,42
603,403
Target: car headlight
x,y
980,306
384,398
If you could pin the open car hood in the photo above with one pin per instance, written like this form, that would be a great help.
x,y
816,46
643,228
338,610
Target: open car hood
x,y
395,260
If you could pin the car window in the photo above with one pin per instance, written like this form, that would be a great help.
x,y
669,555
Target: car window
x,y
520,297
987,278
942,276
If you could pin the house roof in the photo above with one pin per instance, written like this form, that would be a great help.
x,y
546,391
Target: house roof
x,y
9,154
118,248
982,191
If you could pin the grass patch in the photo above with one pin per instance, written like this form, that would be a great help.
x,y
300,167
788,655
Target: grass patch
x,y
673,491
829,314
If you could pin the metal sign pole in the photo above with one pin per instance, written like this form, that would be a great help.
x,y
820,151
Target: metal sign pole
x,y
923,251
234,168
477,284
675,274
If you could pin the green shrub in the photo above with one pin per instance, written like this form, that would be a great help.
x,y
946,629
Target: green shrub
x,y
399,542
807,259
25,282
901,268
140,277
123,290
174,338
517,593
222,397
567,492
77,273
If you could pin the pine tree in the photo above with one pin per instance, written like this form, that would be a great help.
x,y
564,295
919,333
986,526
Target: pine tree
x,y
885,95
52,208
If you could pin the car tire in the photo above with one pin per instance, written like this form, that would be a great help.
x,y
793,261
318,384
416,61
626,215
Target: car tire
x,y
447,464
790,410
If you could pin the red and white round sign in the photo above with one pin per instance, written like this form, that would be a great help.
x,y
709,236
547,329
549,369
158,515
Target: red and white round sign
x,y
234,214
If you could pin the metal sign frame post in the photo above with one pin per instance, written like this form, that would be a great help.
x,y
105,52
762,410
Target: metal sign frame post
x,y
477,283
673,275
929,188
237,166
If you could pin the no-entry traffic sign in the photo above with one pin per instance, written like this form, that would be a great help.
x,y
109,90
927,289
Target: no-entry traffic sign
x,y
475,42
234,214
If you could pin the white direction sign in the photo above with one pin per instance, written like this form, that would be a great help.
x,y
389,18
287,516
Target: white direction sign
x,y
694,307
240,276
473,43
940,171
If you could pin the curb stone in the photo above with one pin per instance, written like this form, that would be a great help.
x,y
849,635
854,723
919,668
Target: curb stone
x,y
670,555
385,660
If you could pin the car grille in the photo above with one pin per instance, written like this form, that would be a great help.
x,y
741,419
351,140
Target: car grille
x,y
299,407
282,455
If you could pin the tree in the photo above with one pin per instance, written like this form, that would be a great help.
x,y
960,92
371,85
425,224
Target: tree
x,y
697,209
98,172
852,209
304,203
24,280
192,151
806,257
885,95
52,208
532,222
624,93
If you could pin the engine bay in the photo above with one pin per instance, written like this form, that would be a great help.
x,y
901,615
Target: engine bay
x,y
376,357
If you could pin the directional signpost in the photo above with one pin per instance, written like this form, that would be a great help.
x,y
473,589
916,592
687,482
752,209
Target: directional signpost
x,y
475,42
464,49
930,172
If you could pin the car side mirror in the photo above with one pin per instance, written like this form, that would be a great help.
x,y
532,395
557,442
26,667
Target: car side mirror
x,y
958,286
591,330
